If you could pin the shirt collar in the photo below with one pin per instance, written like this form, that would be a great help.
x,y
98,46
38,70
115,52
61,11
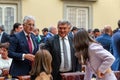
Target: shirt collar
x,y
26,33
66,37
1,33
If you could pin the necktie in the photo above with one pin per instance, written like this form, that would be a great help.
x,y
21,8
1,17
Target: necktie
x,y
29,44
65,54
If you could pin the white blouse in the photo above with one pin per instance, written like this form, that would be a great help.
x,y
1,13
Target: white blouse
x,y
5,63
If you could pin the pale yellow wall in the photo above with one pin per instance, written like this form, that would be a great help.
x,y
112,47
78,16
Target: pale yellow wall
x,y
106,12
46,12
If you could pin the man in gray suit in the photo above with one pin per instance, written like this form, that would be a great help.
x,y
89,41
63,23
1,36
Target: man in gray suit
x,y
55,46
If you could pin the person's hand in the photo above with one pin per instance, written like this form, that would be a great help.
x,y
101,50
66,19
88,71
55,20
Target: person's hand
x,y
99,74
5,72
29,57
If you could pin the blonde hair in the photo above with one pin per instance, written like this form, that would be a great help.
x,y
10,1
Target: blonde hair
x,y
42,63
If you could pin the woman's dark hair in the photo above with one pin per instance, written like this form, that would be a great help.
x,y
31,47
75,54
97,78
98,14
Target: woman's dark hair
x,y
16,25
81,44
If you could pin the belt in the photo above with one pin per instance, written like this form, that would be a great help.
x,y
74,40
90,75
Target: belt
x,y
65,71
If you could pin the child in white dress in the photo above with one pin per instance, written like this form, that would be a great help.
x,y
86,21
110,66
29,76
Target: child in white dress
x,y
5,61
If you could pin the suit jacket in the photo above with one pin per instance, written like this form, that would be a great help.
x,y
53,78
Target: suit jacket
x,y
116,50
53,45
71,34
18,47
99,59
105,41
5,37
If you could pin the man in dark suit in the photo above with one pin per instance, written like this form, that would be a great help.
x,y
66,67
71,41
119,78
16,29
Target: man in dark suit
x,y
23,46
55,46
4,37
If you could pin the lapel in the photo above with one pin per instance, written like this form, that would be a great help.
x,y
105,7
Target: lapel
x,y
2,37
70,42
34,42
57,44
24,40
71,47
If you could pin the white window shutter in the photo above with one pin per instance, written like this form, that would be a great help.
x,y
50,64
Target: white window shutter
x,y
78,16
82,18
9,18
71,15
0,16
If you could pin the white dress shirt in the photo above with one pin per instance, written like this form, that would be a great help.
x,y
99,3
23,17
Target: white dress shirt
x,y
1,36
68,55
31,42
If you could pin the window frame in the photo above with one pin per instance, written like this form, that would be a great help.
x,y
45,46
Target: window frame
x,y
18,10
82,5
18,3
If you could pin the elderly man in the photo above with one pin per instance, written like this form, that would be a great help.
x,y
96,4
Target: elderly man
x,y
62,51
22,48
53,30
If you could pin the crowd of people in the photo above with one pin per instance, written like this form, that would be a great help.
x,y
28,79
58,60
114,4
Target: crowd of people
x,y
60,49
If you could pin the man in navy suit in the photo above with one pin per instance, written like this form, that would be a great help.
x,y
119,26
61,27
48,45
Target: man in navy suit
x,y
55,45
21,50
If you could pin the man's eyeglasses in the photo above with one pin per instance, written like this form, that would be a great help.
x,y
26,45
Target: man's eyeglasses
x,y
30,25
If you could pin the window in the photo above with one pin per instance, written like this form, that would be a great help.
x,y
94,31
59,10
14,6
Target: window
x,y
79,15
1,15
10,12
8,16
